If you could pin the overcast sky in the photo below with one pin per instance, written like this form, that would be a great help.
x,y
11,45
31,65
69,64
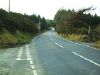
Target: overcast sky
x,y
48,8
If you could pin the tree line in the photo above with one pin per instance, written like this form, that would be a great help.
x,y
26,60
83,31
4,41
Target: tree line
x,y
16,22
78,22
17,29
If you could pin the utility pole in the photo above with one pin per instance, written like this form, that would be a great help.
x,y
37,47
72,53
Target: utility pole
x,y
9,6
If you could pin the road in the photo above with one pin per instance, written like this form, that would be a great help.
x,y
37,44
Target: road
x,y
49,54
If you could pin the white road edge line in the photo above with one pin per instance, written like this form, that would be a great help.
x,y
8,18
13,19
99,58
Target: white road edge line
x,y
19,54
82,45
59,45
86,46
78,43
18,59
34,72
33,67
30,60
86,59
27,53
20,51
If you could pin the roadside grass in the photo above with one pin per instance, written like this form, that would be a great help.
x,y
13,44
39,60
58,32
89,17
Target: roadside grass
x,y
8,39
23,37
79,38
74,37
97,44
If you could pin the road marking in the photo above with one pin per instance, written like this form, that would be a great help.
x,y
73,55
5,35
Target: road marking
x,y
33,67
27,52
86,59
34,72
92,47
19,54
78,43
59,45
31,62
28,58
18,59
82,45
24,59
20,51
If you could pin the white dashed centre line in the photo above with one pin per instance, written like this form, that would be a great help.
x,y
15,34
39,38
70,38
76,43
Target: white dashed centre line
x,y
86,59
59,45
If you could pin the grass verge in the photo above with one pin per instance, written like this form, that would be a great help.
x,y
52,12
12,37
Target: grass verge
x,y
97,44
79,38
8,39
74,37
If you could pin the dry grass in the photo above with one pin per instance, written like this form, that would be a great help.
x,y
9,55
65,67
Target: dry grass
x,y
73,37
97,44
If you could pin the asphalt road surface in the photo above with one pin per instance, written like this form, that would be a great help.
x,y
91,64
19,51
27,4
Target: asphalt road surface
x,y
49,54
